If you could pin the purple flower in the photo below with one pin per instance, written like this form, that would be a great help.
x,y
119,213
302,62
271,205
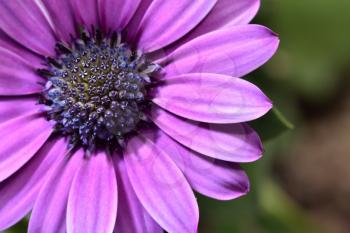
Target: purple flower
x,y
113,111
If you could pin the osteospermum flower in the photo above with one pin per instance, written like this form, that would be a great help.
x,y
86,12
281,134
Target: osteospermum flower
x,y
113,111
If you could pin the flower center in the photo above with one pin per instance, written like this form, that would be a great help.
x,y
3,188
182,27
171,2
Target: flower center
x,y
97,89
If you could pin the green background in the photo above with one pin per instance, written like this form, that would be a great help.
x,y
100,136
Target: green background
x,y
308,81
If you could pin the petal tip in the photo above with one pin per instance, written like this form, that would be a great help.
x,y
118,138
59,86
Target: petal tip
x,y
266,104
245,190
271,32
256,145
275,34
269,104
242,189
276,39
257,157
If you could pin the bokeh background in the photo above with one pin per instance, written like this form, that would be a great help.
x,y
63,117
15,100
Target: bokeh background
x,y
302,184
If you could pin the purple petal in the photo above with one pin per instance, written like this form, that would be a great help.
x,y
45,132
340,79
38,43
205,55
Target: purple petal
x,y
22,137
231,142
6,42
234,51
93,198
134,24
86,12
116,14
13,107
131,216
211,177
19,192
161,187
49,212
212,98
23,21
62,17
167,21
226,13
17,76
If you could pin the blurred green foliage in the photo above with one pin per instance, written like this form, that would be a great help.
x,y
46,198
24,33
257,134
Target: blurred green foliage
x,y
314,43
277,119
314,53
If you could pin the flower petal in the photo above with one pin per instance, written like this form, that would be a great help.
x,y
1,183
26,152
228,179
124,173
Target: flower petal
x,y
86,12
17,76
62,17
211,177
23,21
93,198
19,191
167,21
212,98
6,42
22,137
234,51
116,14
134,24
231,142
131,216
13,107
161,187
226,13
49,212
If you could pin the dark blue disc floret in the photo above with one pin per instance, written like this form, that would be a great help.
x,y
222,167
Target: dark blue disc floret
x,y
97,89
